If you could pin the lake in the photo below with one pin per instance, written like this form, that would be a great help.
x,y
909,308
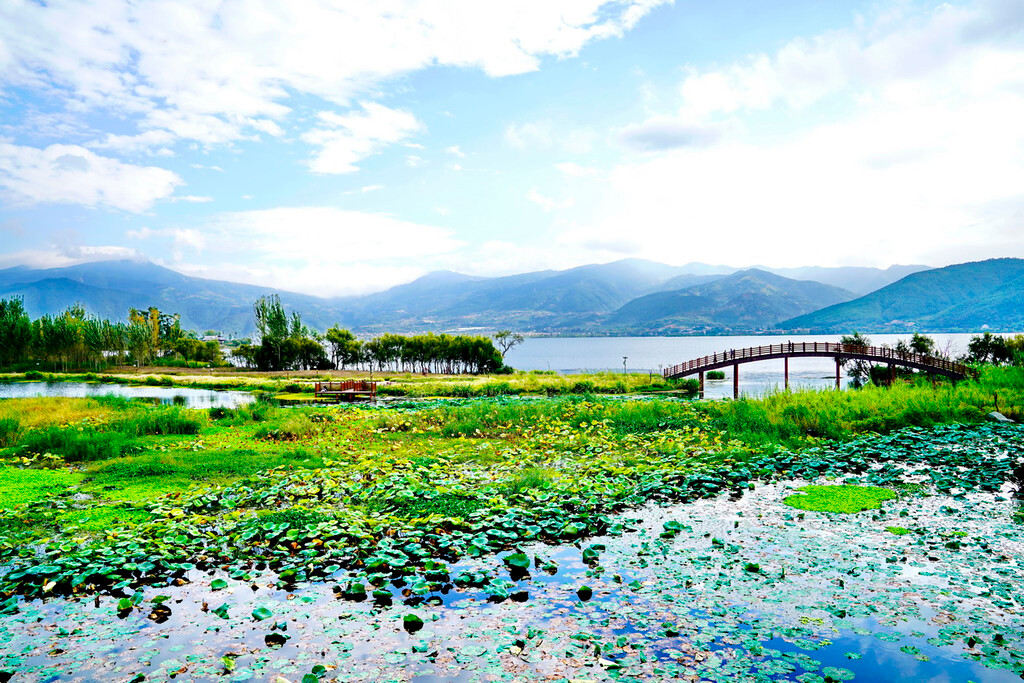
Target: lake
x,y
650,354
190,398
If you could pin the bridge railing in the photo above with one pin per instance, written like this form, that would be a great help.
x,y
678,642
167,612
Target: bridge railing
x,y
880,353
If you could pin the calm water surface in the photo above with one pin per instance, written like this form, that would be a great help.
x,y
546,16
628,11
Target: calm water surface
x,y
191,398
651,354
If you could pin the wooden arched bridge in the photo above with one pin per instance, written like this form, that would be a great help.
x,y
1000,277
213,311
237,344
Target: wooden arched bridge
x,y
837,350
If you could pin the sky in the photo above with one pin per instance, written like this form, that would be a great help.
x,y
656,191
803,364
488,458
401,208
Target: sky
x,y
338,148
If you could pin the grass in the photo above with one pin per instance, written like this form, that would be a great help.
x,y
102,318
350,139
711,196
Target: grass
x,y
101,518
145,477
788,418
294,427
844,499
162,421
530,478
33,413
444,504
81,444
20,486
507,468
489,418
10,430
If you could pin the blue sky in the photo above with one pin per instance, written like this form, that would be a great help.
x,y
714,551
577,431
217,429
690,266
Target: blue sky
x,y
338,148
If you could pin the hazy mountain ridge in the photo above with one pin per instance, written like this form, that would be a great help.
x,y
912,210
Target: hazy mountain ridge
x,y
585,299
746,300
965,297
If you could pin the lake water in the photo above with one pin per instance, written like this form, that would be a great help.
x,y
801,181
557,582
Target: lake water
x,y
651,354
190,398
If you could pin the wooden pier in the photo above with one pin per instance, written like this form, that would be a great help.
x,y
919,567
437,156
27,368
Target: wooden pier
x,y
346,391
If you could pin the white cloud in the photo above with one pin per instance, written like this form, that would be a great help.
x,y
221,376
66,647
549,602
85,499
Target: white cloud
x,y
364,189
347,139
915,157
532,134
888,58
181,238
543,134
454,150
547,203
313,234
574,170
192,199
74,174
218,72
660,133
412,161
321,250
319,279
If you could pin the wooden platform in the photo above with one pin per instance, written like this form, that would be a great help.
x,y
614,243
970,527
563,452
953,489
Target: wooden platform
x,y
347,391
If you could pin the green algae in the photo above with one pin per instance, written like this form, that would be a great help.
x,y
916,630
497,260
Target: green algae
x,y
845,499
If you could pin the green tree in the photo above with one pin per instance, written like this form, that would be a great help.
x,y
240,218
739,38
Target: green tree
x,y
988,348
344,347
507,340
859,370
15,331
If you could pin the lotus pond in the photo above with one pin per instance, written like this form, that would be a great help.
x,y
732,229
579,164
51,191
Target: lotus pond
x,y
557,540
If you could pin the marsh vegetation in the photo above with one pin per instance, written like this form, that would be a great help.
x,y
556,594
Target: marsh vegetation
x,y
400,506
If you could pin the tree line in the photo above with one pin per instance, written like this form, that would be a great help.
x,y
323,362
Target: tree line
x,y
73,339
983,349
285,343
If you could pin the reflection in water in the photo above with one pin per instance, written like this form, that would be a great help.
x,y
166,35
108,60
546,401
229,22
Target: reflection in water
x,y
185,396
654,609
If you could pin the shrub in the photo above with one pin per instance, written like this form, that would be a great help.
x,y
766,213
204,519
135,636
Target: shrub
x,y
530,478
162,421
10,429
132,468
294,427
296,518
79,444
446,504
34,375
584,386
222,413
716,374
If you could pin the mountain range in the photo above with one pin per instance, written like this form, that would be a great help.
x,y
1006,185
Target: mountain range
x,y
966,297
630,296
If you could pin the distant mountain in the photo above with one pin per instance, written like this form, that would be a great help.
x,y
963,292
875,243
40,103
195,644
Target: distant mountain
x,y
539,301
857,279
746,301
962,298
109,288
593,299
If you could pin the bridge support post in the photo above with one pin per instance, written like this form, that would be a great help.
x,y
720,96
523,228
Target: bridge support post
x,y
701,390
786,362
838,375
736,381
